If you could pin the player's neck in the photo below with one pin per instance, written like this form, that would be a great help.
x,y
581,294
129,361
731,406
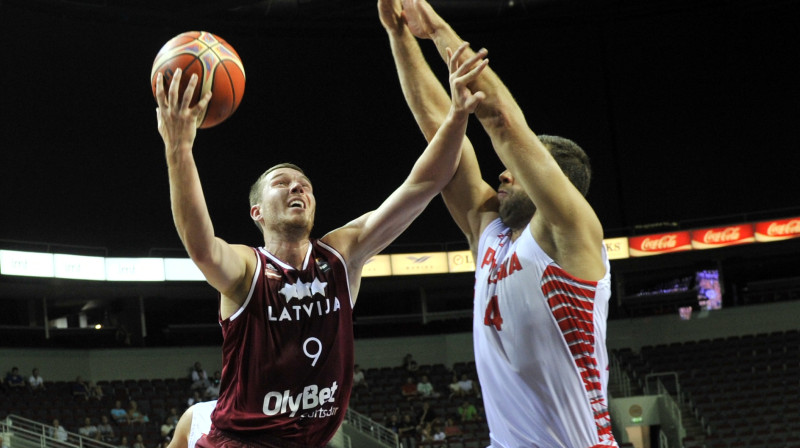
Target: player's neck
x,y
291,251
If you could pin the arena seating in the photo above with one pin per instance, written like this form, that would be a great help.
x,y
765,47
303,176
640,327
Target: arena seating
x,y
154,396
745,390
383,398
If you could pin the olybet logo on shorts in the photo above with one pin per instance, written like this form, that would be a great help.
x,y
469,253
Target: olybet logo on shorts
x,y
311,397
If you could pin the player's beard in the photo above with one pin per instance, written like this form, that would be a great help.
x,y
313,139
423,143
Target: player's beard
x,y
516,210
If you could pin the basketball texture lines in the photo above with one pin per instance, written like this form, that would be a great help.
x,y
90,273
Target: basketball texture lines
x,y
217,65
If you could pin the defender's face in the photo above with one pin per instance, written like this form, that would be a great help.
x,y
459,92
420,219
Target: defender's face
x,y
516,208
287,198
509,192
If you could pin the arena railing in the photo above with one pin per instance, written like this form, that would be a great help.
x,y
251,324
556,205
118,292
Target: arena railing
x,y
372,428
675,432
20,432
620,377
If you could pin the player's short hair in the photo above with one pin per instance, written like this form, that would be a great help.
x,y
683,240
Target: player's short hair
x,y
255,189
572,159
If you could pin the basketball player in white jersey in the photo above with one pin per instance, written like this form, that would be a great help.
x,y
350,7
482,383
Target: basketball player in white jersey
x,y
542,280
193,424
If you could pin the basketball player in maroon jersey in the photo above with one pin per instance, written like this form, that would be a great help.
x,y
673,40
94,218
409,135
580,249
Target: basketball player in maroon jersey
x,y
285,308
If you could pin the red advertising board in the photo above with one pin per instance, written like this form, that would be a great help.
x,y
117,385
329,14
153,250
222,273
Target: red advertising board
x,y
777,230
722,236
641,246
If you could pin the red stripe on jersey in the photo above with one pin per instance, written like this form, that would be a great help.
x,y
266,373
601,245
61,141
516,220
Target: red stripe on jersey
x,y
571,302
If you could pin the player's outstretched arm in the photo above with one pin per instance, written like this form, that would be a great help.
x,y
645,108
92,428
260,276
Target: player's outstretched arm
x,y
467,196
367,235
223,265
565,215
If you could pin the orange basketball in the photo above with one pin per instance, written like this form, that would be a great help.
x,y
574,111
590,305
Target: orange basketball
x,y
217,66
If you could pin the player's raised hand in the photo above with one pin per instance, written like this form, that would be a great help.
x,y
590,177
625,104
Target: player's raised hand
x,y
391,15
177,120
461,75
422,20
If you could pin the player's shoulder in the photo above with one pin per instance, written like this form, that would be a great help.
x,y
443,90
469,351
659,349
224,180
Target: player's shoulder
x,y
244,250
344,240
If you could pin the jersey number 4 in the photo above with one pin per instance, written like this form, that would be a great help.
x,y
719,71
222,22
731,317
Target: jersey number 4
x,y
492,316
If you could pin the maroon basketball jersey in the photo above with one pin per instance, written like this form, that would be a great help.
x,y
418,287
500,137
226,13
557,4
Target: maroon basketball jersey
x,y
288,351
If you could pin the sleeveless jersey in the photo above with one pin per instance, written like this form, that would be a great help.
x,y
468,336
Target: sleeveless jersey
x,y
288,352
539,336
201,421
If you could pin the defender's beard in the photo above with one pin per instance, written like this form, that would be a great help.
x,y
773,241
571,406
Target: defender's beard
x,y
516,211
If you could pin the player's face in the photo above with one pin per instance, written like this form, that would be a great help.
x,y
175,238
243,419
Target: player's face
x,y
288,200
516,208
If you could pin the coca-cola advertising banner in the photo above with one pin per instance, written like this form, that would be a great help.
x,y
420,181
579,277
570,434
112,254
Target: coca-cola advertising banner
x,y
777,230
722,236
641,246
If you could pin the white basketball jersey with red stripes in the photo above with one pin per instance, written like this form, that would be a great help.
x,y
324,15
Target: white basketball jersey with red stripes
x,y
201,421
539,337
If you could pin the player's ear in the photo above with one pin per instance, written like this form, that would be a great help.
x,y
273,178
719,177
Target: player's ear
x,y
255,213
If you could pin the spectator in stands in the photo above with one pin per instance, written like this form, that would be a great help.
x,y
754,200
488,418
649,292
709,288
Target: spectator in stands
x,y
36,382
425,432
452,429
432,432
438,431
57,431
410,364
454,387
359,379
212,391
15,381
169,425
393,423
119,414
173,412
200,379
139,443
467,412
123,442
88,430
425,415
409,389
194,399
466,385
105,430
407,431
425,388
95,391
135,415
80,389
